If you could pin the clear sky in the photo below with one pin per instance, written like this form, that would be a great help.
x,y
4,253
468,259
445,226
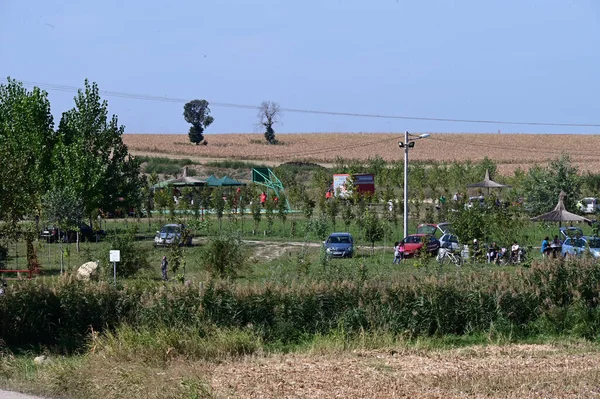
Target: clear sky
x,y
515,60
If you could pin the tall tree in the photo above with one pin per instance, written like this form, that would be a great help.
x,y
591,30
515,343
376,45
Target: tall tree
x,y
269,113
197,113
92,158
27,138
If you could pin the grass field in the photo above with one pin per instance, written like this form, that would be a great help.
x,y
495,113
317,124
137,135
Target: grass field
x,y
509,151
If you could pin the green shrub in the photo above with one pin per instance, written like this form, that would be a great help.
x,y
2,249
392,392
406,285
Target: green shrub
x,y
223,256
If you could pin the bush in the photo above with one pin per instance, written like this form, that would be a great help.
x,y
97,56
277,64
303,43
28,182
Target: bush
x,y
223,256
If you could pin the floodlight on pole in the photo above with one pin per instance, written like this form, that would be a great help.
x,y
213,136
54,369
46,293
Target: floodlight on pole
x,y
408,143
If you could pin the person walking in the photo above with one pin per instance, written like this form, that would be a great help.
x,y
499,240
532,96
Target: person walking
x,y
163,267
397,253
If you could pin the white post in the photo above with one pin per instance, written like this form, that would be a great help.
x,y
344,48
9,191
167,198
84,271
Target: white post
x,y
405,184
115,272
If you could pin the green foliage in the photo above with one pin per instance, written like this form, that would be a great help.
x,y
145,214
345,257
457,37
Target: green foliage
x,y
197,113
224,256
542,186
557,298
63,208
375,228
27,139
134,257
91,158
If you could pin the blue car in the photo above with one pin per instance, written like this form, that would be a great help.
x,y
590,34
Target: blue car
x,y
339,245
574,247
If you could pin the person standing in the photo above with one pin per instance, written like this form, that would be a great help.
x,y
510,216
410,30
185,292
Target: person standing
x,y
545,246
163,267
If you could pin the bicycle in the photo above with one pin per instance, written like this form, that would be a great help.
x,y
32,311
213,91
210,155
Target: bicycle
x,y
447,256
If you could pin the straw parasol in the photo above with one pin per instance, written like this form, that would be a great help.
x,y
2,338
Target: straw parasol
x,y
487,183
560,214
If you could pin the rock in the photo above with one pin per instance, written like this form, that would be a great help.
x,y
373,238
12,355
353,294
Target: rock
x,y
87,271
41,360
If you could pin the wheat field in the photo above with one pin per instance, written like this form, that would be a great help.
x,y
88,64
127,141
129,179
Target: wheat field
x,y
510,151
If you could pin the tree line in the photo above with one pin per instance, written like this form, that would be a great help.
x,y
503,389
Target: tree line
x,y
67,174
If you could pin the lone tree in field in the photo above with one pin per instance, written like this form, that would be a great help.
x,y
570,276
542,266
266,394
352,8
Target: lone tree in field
x,y
269,114
197,113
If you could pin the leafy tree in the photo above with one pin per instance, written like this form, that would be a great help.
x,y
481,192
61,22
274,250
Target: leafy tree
x,y
197,113
256,209
269,114
63,207
282,209
542,186
347,214
27,139
134,257
308,206
218,204
374,228
332,207
91,158
223,256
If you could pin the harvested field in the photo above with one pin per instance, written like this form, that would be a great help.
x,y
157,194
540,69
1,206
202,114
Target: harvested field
x,y
517,371
509,151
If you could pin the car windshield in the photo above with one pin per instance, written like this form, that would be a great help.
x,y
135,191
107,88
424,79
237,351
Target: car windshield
x,y
594,242
413,240
426,229
170,229
340,240
577,242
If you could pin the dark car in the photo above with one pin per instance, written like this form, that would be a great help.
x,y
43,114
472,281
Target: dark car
x,y
340,245
86,233
412,244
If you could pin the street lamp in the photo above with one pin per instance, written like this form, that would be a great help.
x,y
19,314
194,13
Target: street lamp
x,y
409,142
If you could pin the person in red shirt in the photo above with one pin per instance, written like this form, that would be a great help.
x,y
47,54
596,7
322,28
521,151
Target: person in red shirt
x,y
263,198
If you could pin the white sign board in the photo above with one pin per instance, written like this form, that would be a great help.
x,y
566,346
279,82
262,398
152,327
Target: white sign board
x,y
115,255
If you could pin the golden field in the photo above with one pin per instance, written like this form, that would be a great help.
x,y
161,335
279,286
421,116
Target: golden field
x,y
510,151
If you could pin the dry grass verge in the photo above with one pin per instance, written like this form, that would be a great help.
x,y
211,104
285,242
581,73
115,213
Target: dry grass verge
x,y
512,371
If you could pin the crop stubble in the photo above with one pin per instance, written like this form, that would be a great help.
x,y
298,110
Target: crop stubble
x,y
510,151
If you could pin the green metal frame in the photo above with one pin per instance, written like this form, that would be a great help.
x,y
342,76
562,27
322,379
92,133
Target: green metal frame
x,y
266,178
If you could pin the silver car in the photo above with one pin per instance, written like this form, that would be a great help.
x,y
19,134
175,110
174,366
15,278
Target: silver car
x,y
172,234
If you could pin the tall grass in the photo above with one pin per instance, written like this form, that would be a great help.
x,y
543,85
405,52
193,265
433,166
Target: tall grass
x,y
550,298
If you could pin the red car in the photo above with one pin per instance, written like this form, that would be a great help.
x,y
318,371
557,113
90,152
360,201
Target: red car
x,y
412,244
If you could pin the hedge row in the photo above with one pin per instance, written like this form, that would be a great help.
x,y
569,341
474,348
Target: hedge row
x,y
548,298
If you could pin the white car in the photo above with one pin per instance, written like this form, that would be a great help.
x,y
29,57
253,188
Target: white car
x,y
171,234
449,241
588,205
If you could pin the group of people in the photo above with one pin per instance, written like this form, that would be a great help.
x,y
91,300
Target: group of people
x,y
496,254
551,248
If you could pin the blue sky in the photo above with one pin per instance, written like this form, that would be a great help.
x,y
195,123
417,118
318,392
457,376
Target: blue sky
x,y
515,60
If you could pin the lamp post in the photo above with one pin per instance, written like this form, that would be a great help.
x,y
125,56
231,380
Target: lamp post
x,y
409,142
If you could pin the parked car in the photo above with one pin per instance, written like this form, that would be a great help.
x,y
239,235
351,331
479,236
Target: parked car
x,y
573,231
86,233
588,205
411,245
172,234
434,229
449,241
339,245
575,247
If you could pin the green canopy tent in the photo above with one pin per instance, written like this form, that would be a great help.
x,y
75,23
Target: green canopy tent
x,y
212,181
227,181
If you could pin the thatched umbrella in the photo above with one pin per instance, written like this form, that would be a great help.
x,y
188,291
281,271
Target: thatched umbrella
x,y
487,183
560,214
